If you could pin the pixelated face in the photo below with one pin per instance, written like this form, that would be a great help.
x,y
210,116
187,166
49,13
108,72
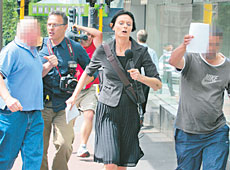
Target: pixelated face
x,y
214,44
87,43
30,32
55,28
123,26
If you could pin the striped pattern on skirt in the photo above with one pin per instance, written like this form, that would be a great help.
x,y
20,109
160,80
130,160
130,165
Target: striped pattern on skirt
x,y
116,134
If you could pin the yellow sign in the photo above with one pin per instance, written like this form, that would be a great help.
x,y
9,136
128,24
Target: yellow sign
x,y
207,15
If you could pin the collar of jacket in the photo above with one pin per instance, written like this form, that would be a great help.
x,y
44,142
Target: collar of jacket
x,y
135,47
61,44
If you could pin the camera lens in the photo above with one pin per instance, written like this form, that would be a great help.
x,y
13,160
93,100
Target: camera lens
x,y
72,84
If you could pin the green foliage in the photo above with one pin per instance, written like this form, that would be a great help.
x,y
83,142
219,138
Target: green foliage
x,y
9,20
43,21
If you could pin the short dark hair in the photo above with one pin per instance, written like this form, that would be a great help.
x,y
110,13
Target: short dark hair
x,y
60,13
142,36
123,12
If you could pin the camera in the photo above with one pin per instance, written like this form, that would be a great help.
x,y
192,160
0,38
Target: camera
x,y
68,82
73,35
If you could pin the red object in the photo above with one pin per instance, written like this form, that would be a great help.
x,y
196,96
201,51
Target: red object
x,y
90,50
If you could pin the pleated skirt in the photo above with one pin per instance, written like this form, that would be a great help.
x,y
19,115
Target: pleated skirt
x,y
116,134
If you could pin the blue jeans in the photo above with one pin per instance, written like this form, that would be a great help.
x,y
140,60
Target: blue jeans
x,y
212,149
21,131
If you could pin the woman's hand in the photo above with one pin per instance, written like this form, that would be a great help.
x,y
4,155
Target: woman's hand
x,y
135,74
71,101
152,82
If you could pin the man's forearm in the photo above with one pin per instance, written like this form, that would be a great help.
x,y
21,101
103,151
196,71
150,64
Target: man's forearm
x,y
176,58
92,31
4,93
46,68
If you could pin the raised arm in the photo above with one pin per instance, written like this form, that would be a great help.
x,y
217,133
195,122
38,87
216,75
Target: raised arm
x,y
176,58
97,35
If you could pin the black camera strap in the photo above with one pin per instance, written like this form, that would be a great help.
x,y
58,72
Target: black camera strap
x,y
70,49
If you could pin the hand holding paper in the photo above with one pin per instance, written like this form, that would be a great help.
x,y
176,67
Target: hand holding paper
x,y
199,44
71,114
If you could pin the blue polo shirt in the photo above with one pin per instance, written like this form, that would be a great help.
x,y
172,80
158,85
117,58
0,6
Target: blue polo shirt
x,y
22,70
52,79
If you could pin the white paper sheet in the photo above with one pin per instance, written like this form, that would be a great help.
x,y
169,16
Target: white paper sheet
x,y
71,114
2,104
199,44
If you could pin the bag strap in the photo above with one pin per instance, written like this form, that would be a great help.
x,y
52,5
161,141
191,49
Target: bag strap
x,y
120,73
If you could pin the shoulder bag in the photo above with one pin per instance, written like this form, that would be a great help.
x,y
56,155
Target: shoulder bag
x,y
128,86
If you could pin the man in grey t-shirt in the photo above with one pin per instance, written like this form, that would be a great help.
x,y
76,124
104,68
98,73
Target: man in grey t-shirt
x,y
201,130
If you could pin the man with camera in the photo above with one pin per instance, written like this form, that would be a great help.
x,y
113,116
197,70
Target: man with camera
x,y
87,99
59,83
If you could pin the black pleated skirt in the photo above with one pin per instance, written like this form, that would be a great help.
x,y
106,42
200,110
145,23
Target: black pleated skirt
x,y
116,134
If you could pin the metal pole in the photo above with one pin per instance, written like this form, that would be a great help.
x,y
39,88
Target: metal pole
x,y
22,9
1,8
207,16
101,16
89,16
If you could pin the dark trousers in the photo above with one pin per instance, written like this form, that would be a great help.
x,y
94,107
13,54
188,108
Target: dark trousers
x,y
212,149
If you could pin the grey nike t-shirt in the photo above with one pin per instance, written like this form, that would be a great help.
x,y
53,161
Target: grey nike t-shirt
x,y
202,94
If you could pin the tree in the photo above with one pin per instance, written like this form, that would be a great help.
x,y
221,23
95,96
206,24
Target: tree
x,y
42,20
9,20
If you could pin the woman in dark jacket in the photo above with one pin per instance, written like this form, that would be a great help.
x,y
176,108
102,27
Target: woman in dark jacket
x,y
117,119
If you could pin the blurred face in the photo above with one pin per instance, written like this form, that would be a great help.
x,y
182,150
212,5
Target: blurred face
x,y
123,26
88,42
55,28
30,32
214,45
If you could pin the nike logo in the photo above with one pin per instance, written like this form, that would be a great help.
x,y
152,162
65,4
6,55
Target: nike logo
x,y
210,79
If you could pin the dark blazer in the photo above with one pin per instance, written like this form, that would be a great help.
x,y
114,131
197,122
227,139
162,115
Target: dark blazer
x,y
112,86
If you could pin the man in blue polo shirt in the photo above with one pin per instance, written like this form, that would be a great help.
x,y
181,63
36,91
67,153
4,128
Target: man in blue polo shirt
x,y
21,95
54,112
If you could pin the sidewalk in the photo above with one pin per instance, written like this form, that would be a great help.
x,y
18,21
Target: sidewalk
x,y
158,149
